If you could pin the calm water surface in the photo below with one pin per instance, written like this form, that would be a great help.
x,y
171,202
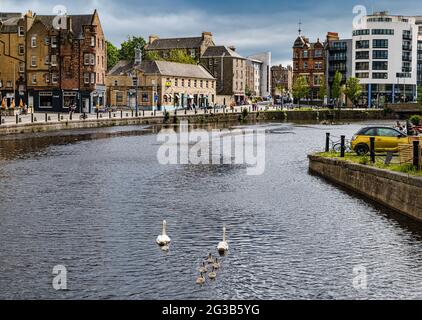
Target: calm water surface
x,y
93,200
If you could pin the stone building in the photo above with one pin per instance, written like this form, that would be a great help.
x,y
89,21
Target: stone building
x,y
13,33
160,85
309,61
229,69
253,77
66,64
192,46
281,79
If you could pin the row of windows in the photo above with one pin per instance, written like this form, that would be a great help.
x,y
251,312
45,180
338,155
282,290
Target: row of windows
x,y
376,43
375,75
318,53
367,32
376,54
317,65
53,42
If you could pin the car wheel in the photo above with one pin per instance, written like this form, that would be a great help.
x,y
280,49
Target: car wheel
x,y
361,149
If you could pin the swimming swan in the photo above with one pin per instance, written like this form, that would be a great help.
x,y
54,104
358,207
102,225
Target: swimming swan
x,y
223,246
163,239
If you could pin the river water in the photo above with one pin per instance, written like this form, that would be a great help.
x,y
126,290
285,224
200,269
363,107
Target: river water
x,y
93,201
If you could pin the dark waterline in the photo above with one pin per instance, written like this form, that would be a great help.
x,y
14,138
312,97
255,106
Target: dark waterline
x,y
93,200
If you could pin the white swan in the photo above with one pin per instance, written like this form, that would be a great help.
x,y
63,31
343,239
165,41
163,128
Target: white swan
x,y
163,239
223,246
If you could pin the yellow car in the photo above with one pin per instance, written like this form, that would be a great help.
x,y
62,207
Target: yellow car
x,y
386,139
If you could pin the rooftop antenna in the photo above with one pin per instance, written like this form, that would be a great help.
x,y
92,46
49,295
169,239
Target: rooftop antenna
x,y
300,27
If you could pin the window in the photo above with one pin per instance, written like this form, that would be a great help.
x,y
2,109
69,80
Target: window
x,y
382,31
305,65
47,78
362,75
318,53
407,67
21,31
1,84
201,84
33,61
89,59
46,100
362,66
54,78
318,65
380,43
47,60
119,97
53,60
183,82
21,67
116,83
21,50
195,83
92,78
53,42
362,55
370,132
92,41
379,19
34,78
379,75
46,41
317,80
176,82
379,65
192,53
305,54
189,83
8,84
86,78
380,54
386,132
362,44
33,42
135,82
362,32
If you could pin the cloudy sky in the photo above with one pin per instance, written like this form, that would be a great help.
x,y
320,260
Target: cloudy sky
x,y
251,26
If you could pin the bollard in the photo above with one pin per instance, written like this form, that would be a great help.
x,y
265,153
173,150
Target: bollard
x,y
143,113
46,118
327,142
109,114
17,119
342,146
84,115
58,116
186,111
132,113
155,113
416,154
32,118
121,114
372,149
98,114
0,119
71,115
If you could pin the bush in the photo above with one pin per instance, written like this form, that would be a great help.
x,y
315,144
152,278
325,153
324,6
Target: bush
x,y
166,116
415,120
364,160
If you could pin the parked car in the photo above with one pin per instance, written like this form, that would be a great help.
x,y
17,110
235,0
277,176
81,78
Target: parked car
x,y
386,139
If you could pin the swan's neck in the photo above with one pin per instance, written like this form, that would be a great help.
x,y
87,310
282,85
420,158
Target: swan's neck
x,y
224,234
164,228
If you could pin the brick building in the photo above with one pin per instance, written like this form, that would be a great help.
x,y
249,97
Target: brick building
x,y
309,61
66,65
281,79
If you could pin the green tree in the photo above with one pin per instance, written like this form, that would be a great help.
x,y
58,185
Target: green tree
x,y
336,88
127,50
152,55
353,89
322,91
112,55
419,98
300,88
180,56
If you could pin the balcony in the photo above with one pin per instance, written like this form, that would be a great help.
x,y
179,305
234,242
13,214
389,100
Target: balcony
x,y
338,58
407,58
407,36
338,48
335,69
407,48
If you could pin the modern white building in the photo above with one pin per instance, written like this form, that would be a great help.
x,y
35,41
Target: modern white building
x,y
265,72
385,58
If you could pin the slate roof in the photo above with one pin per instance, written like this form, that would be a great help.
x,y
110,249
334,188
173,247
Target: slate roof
x,y
121,68
217,51
9,22
175,43
78,22
174,69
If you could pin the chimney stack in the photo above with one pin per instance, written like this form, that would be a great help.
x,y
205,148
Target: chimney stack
x,y
152,38
206,35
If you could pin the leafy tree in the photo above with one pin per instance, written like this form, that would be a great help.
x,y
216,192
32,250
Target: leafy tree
x,y
152,55
419,98
300,88
336,87
322,91
248,91
353,89
178,55
112,55
127,51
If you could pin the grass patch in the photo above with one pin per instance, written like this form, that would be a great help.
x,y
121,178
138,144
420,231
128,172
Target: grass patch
x,y
379,162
